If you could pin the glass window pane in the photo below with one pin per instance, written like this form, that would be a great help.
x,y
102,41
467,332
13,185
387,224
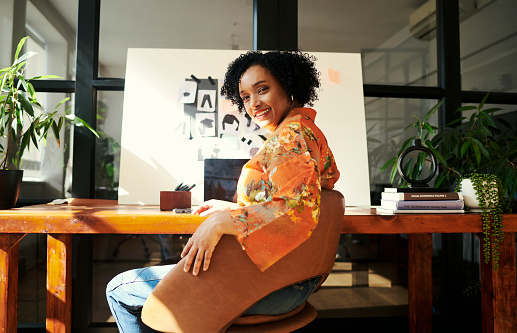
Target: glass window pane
x,y
52,26
47,170
395,38
368,280
489,47
114,254
107,150
6,22
32,290
386,119
194,24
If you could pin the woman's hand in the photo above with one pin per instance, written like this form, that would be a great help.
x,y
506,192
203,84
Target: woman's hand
x,y
201,245
212,206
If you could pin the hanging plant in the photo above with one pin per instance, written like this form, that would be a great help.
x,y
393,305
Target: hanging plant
x,y
491,200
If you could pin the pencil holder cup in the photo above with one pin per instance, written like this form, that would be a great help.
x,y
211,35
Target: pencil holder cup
x,y
170,200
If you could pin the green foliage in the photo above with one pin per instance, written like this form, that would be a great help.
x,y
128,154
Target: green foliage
x,y
474,144
19,124
491,197
107,159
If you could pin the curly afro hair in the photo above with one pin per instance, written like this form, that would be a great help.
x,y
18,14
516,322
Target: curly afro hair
x,y
295,71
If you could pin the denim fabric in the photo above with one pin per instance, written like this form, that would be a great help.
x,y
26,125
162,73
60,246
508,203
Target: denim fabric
x,y
286,299
126,294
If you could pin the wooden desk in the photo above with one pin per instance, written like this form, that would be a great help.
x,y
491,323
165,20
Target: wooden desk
x,y
106,217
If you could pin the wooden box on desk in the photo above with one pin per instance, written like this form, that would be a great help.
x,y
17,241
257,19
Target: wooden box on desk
x,y
170,200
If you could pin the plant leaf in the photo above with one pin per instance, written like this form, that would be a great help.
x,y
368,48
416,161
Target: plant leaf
x,y
24,144
495,146
387,164
31,91
406,145
432,111
477,153
46,77
439,179
492,110
438,156
21,61
393,172
480,107
485,131
60,124
33,136
481,147
466,108
472,120
26,104
464,147
24,83
79,122
46,126
488,119
60,103
19,47
56,131
428,128
408,126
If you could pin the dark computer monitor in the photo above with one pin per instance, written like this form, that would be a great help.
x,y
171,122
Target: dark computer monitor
x,y
221,176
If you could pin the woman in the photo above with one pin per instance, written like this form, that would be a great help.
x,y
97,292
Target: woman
x,y
278,190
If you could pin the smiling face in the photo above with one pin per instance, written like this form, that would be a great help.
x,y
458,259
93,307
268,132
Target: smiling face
x,y
264,98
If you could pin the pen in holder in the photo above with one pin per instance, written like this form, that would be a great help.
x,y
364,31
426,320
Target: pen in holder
x,y
170,200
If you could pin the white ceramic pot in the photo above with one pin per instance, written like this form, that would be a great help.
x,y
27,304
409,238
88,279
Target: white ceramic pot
x,y
470,196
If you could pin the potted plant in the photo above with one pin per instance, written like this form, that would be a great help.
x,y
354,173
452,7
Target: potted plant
x,y
474,147
484,193
474,144
20,124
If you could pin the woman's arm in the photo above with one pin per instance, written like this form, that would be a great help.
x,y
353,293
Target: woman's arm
x,y
201,245
212,206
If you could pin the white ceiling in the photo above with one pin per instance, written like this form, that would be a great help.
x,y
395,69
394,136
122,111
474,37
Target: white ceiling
x,y
324,25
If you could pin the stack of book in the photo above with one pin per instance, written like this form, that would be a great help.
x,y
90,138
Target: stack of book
x,y
412,200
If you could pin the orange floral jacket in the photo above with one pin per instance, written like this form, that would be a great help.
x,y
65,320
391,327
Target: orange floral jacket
x,y
279,189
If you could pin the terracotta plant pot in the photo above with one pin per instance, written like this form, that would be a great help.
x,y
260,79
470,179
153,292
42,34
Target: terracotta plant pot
x,y
10,184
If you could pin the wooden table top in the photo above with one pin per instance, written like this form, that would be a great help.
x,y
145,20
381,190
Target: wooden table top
x,y
92,216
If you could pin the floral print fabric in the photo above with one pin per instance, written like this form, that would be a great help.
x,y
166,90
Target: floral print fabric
x,y
279,189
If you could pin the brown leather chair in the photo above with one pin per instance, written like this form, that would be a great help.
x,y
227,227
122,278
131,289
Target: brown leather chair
x,y
215,300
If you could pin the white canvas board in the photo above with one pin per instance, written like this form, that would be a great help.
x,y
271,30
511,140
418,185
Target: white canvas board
x,y
157,155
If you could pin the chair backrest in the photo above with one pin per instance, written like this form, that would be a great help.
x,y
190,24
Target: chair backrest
x,y
211,301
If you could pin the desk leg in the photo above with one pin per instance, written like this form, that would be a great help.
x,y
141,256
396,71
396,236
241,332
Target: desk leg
x,y
498,297
420,283
59,283
9,282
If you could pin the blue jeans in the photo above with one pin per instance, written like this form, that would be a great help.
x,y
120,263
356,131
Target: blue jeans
x,y
127,292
